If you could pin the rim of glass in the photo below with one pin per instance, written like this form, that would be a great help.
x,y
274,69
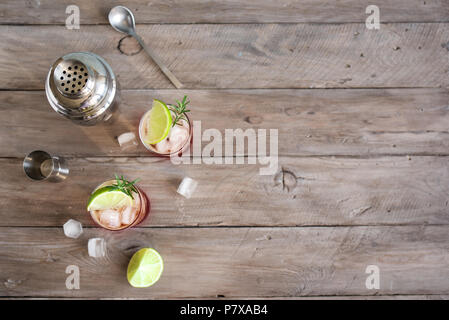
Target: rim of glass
x,y
153,149
129,225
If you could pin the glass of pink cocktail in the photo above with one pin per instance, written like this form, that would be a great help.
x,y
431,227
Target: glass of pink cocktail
x,y
166,129
118,204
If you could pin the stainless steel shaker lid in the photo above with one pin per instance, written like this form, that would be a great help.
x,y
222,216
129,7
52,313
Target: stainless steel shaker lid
x,y
73,78
80,85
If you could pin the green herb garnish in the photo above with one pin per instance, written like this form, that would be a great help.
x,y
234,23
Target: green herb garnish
x,y
126,186
180,110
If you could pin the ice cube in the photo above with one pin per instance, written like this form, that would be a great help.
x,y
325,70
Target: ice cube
x,y
73,229
178,136
110,218
164,146
187,187
129,215
96,247
127,140
174,142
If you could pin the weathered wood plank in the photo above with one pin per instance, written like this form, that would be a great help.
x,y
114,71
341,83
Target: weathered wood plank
x,y
233,262
309,122
343,297
241,56
308,191
226,11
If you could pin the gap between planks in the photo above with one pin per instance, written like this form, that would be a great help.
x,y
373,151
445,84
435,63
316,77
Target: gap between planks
x,y
336,156
311,226
382,23
226,298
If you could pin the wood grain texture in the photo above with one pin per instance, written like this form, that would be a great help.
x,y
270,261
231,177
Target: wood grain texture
x,y
310,122
240,56
346,297
225,11
360,297
306,191
343,297
362,175
233,262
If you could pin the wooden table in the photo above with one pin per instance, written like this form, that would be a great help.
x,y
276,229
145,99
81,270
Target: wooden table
x,y
363,176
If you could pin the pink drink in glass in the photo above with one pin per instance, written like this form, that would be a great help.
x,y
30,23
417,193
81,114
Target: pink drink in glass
x,y
177,141
125,217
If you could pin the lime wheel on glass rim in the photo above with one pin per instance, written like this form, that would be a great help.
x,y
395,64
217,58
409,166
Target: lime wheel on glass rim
x,y
109,197
159,123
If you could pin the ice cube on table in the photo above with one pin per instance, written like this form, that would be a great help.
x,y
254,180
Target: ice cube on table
x,y
129,215
127,140
73,229
187,187
110,218
96,247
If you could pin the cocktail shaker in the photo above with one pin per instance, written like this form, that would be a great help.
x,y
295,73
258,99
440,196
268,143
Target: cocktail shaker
x,y
82,87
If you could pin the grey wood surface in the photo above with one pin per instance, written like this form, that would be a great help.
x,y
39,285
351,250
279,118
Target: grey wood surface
x,y
233,262
361,122
363,143
225,11
359,297
306,191
240,55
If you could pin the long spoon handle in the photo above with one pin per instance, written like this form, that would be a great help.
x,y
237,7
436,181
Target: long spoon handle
x,y
158,61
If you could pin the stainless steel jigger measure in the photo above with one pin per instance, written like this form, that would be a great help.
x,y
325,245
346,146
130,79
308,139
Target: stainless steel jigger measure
x,y
122,20
82,87
39,165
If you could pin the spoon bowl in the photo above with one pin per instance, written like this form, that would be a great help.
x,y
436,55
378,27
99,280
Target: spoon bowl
x,y
122,20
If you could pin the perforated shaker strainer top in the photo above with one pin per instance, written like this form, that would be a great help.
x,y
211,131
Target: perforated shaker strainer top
x,y
72,78
82,87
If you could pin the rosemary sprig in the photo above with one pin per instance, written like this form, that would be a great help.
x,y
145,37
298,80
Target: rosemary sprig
x,y
180,110
126,186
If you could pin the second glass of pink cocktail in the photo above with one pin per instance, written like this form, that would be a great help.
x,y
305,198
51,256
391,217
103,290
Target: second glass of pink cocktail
x,y
118,204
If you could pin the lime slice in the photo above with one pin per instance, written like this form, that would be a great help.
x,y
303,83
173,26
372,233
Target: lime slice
x,y
145,268
159,122
108,198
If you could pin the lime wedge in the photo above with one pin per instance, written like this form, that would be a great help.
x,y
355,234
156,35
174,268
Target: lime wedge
x,y
145,268
159,122
109,197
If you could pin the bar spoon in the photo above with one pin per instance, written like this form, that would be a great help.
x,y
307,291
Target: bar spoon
x,y
122,20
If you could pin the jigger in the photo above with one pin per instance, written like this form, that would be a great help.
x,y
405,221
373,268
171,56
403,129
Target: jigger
x,y
39,165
